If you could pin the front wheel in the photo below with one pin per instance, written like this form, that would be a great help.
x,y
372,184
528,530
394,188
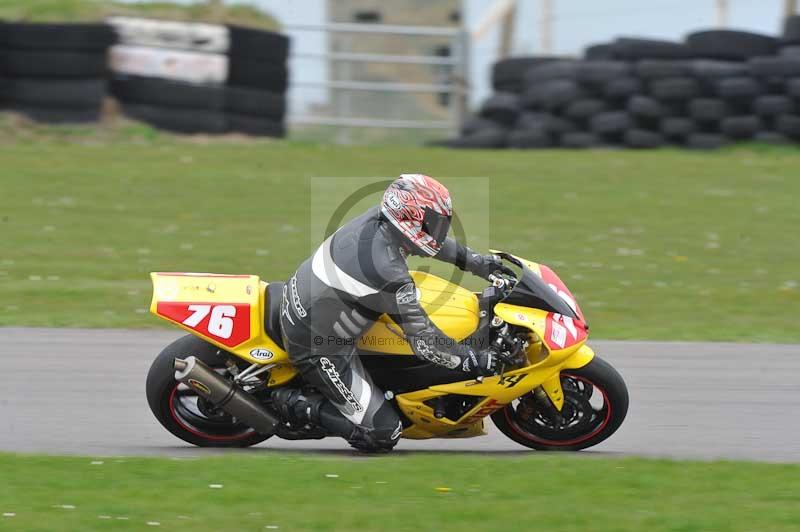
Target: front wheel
x,y
595,405
184,413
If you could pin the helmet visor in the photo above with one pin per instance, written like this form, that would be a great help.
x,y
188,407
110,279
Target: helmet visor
x,y
436,225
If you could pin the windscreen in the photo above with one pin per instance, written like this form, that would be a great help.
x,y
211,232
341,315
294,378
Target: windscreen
x,y
532,291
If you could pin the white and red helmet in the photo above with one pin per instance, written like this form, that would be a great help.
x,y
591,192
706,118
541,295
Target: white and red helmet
x,y
420,208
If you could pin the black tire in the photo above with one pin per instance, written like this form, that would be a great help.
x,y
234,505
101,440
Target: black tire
x,y
189,121
673,89
677,127
741,127
56,116
176,413
532,120
474,123
61,37
531,97
484,139
611,122
558,125
168,93
789,125
675,108
53,64
507,74
578,139
558,93
643,139
584,109
729,44
579,386
645,107
791,30
502,107
793,88
709,72
257,74
772,137
774,67
708,109
561,69
598,73
739,88
622,88
705,141
773,105
256,126
258,44
599,52
57,94
530,138
632,49
659,68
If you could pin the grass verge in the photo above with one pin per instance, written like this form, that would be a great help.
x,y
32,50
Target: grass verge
x,y
656,244
87,10
418,492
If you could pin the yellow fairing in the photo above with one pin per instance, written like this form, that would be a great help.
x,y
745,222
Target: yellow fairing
x,y
453,309
210,289
544,370
496,391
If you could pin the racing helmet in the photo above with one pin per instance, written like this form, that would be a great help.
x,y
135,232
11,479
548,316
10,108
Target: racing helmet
x,y
419,208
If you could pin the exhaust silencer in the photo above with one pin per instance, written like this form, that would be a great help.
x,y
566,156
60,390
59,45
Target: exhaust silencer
x,y
225,394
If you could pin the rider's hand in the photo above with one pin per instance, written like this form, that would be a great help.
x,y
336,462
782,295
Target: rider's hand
x,y
481,363
485,265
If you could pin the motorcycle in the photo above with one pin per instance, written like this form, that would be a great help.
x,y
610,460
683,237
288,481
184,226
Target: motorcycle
x,y
213,387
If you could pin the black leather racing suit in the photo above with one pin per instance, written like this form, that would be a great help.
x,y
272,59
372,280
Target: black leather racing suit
x,y
356,275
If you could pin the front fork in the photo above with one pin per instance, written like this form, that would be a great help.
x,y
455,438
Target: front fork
x,y
550,395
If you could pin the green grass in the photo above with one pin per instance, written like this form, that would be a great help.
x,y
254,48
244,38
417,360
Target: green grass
x,y
397,493
658,244
87,10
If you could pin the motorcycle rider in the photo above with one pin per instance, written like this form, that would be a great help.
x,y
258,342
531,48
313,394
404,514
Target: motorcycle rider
x,y
357,274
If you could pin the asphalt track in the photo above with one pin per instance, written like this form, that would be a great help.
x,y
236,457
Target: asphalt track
x,y
72,391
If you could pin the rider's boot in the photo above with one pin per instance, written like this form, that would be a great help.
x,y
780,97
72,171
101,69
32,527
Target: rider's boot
x,y
316,410
312,409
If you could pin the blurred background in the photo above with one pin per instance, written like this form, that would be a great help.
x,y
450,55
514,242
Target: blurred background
x,y
365,71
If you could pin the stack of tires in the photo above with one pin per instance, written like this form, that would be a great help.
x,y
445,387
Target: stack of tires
x,y
54,73
257,82
716,87
185,77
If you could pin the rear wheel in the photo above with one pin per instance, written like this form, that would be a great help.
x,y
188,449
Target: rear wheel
x,y
595,405
185,414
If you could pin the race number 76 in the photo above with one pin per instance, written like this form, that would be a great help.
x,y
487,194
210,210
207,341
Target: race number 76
x,y
220,324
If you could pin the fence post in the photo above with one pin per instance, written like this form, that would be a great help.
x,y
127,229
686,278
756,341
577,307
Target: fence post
x,y
461,79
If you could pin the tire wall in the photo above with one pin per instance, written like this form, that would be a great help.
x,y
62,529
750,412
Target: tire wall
x,y
54,72
177,76
713,88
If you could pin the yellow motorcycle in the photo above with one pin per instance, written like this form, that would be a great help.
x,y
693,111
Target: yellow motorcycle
x,y
214,386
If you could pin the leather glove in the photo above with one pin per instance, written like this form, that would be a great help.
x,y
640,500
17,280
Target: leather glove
x,y
485,265
482,363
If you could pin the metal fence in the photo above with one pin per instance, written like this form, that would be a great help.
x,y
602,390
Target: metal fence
x,y
348,93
